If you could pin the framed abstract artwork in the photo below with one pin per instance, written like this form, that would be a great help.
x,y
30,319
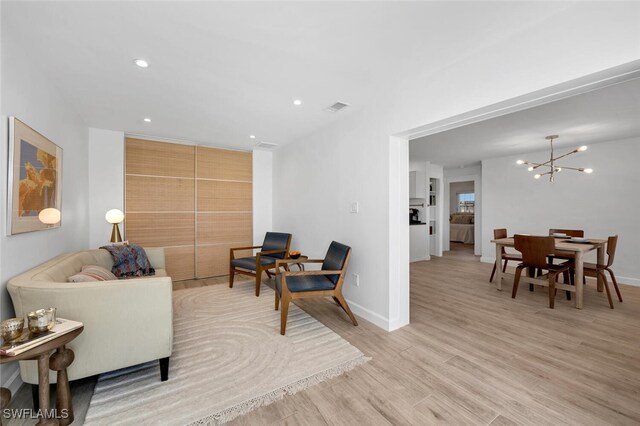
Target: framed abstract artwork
x,y
35,178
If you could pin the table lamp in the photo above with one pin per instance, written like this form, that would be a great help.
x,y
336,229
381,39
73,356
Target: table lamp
x,y
115,217
49,217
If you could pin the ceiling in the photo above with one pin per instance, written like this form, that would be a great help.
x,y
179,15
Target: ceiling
x,y
602,115
220,71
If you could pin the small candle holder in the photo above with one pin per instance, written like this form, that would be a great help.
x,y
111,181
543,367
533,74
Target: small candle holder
x,y
42,320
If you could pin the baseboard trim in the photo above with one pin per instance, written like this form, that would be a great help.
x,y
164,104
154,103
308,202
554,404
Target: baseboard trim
x,y
370,316
14,381
635,282
487,259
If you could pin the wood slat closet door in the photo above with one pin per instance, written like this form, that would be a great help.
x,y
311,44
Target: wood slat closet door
x,y
160,201
224,204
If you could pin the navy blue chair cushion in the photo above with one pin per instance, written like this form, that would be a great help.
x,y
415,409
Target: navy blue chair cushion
x,y
250,262
335,258
305,283
276,241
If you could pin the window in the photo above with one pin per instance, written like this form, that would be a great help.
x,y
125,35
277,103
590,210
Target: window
x,y
466,202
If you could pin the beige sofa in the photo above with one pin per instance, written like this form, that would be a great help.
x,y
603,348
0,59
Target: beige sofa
x,y
126,322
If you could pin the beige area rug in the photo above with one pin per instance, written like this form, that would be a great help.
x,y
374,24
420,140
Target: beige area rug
x,y
228,359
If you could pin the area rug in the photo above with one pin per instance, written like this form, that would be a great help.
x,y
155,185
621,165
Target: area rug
x,y
228,359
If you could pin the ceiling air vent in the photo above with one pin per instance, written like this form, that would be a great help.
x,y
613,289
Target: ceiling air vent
x,y
336,107
266,145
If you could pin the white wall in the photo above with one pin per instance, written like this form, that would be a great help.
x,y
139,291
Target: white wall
x,y
30,96
603,203
353,159
106,182
262,195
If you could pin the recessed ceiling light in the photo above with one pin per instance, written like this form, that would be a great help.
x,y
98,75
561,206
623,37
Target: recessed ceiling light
x,y
146,120
141,63
297,102
252,136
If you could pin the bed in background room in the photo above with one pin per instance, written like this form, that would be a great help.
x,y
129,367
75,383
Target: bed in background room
x,y
461,228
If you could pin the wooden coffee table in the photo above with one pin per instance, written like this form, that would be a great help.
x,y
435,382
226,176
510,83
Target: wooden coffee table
x,y
59,361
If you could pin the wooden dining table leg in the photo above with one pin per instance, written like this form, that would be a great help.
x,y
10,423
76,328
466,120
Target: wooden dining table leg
x,y
499,269
600,262
579,274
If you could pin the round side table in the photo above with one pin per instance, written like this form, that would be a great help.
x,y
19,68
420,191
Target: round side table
x,y
59,361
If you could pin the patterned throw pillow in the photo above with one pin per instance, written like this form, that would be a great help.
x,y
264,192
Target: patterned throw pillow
x,y
129,261
84,277
99,271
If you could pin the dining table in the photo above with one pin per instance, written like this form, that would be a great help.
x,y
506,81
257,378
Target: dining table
x,y
562,246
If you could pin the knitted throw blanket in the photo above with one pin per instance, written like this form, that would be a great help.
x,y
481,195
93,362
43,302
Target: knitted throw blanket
x,y
129,260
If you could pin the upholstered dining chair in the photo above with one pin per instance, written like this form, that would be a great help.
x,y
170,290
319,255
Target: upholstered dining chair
x,y
321,283
498,234
275,247
595,270
535,253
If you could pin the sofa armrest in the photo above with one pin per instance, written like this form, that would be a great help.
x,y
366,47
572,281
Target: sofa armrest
x,y
126,322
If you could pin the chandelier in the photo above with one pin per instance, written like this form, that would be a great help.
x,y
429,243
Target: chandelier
x,y
551,165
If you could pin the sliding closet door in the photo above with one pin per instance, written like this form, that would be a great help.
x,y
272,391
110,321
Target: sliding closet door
x,y
223,208
160,201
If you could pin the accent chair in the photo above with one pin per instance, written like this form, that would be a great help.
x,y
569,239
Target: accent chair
x,y
327,281
275,247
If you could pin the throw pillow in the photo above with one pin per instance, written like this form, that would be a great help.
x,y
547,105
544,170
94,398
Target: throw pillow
x,y
84,277
103,273
129,261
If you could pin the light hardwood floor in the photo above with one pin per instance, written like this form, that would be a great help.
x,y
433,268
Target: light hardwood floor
x,y
473,355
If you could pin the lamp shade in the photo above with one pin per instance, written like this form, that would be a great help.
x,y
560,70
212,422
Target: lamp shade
x,y
114,216
49,216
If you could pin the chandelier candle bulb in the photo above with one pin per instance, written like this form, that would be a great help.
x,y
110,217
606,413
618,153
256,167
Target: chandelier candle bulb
x,y
520,162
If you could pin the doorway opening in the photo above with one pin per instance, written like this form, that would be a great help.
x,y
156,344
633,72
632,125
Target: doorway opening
x,y
461,216
399,159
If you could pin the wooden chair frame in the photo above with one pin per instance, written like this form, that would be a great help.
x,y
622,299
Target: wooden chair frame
x,y
259,266
595,270
287,295
498,234
548,280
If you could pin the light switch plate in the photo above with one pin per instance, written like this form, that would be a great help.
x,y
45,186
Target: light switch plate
x,y
355,207
356,280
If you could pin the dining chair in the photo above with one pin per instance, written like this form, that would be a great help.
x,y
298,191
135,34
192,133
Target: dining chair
x,y
535,254
578,233
275,247
506,256
596,270
327,281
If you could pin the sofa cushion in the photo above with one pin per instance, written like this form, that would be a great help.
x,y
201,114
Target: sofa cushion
x,y
99,271
85,277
